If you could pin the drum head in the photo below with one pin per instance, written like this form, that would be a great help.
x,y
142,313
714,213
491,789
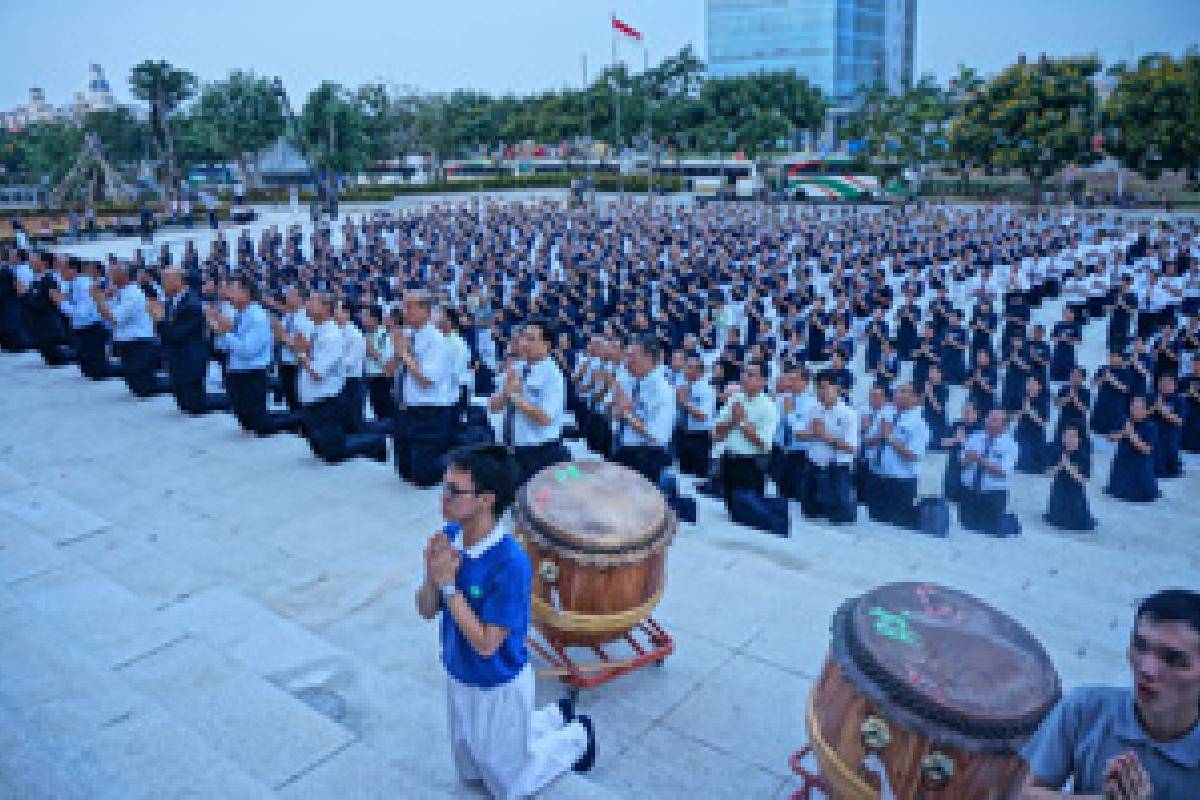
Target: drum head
x,y
596,512
949,658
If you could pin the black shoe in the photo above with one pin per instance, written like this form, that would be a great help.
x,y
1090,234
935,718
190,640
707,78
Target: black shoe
x,y
588,759
380,453
567,708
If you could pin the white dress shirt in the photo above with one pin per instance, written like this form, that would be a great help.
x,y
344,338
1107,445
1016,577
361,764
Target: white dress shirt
x,y
842,423
910,430
1000,451
295,322
433,358
325,359
545,388
354,352
131,316
653,406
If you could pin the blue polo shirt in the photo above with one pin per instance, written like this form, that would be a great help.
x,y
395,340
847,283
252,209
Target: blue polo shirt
x,y
1091,725
495,578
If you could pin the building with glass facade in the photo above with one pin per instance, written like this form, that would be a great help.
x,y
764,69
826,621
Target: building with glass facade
x,y
838,45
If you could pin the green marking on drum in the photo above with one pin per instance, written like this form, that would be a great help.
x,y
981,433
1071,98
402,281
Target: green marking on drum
x,y
570,473
894,626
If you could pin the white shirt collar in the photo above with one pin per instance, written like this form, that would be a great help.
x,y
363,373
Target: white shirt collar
x,y
486,543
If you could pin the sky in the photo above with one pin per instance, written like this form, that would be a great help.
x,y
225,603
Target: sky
x,y
518,46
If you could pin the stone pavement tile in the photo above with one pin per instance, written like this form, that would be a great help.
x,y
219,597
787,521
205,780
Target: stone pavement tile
x,y
340,587
750,709
151,755
667,763
361,772
98,615
23,552
52,514
140,566
29,773
11,479
249,632
387,632
718,603
269,734
58,691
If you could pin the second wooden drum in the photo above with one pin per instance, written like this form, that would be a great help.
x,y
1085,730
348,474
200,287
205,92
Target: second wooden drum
x,y
931,687
597,535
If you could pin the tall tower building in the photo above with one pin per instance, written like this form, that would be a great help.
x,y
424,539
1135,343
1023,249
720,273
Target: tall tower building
x,y
838,45
99,94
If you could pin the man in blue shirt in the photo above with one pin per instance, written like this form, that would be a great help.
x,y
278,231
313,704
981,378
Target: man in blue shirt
x,y
1123,744
478,578
250,344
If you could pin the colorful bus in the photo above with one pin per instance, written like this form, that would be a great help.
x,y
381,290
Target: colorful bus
x,y
828,177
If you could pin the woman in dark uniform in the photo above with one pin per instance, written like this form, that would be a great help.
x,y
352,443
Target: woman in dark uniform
x,y
1132,475
1032,422
1068,506
1112,394
1067,335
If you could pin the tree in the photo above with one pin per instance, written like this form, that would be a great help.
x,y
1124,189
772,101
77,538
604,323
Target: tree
x,y
46,151
123,136
1033,117
244,115
1153,115
333,129
164,88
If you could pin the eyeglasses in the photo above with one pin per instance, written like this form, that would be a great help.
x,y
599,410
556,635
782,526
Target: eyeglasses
x,y
454,491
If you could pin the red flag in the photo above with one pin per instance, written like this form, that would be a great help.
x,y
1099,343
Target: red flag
x,y
628,30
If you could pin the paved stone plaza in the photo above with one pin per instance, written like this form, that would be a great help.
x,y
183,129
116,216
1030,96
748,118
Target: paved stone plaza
x,y
186,610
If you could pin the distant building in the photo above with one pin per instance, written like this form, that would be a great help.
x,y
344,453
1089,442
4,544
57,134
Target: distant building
x,y
99,97
838,45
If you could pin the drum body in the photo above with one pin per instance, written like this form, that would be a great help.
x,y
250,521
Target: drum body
x,y
934,687
597,535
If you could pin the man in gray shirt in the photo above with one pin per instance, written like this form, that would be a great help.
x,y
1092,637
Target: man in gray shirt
x,y
1143,743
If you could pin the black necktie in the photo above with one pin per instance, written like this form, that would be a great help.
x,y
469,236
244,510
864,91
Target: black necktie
x,y
398,387
510,412
977,484
637,388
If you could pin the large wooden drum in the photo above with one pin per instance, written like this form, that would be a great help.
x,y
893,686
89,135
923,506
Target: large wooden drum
x,y
597,534
931,687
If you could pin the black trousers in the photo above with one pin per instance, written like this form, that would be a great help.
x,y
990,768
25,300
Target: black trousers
x,y
647,461
192,398
139,367
326,435
794,474
289,381
741,472
899,501
248,398
694,448
980,511
421,436
829,494
90,345
352,405
532,459
379,393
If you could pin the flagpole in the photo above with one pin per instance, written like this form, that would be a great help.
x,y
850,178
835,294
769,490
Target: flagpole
x,y
590,191
649,144
612,28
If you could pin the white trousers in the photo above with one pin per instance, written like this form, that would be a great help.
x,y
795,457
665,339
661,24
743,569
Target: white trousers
x,y
498,737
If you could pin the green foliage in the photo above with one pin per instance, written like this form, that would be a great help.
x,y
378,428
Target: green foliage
x,y
45,149
1036,118
240,116
1153,115
334,129
122,135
